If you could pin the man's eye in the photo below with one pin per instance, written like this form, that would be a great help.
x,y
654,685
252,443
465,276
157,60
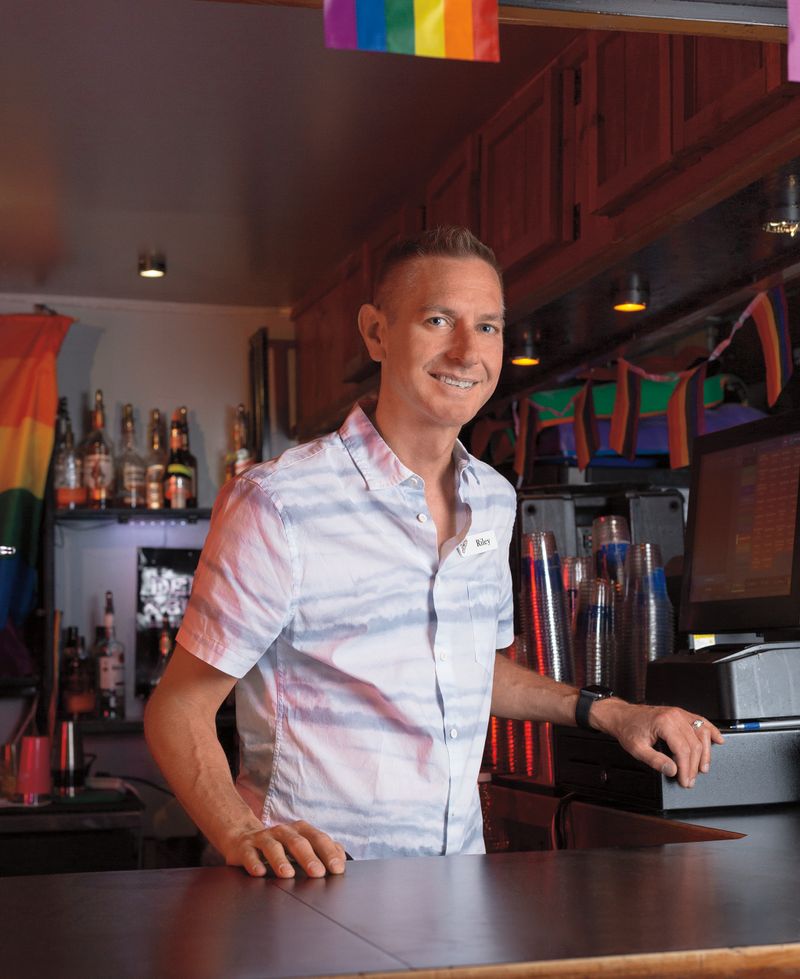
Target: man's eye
x,y
437,321
489,328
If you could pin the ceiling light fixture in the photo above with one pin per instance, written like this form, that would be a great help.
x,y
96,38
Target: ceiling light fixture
x,y
152,265
524,349
783,216
631,294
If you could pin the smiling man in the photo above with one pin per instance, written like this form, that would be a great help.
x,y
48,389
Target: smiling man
x,y
355,592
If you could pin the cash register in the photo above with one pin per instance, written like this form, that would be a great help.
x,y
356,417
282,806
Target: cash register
x,y
741,598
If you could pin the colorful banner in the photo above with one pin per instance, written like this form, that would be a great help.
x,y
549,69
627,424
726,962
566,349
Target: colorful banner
x,y
627,404
771,317
686,416
462,29
29,345
587,437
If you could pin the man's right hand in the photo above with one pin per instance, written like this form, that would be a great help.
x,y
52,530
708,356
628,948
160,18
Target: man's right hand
x,y
275,846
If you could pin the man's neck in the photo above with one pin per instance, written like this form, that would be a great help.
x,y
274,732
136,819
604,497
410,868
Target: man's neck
x,y
427,450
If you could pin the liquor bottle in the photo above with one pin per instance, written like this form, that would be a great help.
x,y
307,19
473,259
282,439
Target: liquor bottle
x,y
241,458
177,475
156,462
77,676
110,657
67,470
130,466
98,460
164,653
191,462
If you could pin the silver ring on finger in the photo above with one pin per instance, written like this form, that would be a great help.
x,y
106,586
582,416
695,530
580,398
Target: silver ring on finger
x,y
697,723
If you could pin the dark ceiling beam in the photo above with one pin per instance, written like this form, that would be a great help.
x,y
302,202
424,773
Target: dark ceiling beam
x,y
764,21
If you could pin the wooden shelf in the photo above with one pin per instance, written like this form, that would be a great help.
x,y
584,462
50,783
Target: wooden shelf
x,y
126,515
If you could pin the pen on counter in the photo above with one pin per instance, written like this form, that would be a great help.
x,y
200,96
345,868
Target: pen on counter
x,y
767,724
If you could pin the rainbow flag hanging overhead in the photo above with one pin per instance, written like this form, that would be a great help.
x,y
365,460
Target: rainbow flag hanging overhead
x,y
771,317
463,29
627,405
686,415
29,345
587,437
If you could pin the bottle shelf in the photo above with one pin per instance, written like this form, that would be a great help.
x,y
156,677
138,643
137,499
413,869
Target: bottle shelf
x,y
125,515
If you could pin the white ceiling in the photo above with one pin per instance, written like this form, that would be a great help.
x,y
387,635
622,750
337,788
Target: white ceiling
x,y
223,134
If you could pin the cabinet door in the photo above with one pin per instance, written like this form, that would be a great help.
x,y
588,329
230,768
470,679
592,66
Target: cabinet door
x,y
573,72
718,84
629,85
451,197
312,377
520,185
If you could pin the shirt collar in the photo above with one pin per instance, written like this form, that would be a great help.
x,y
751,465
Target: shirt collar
x,y
373,458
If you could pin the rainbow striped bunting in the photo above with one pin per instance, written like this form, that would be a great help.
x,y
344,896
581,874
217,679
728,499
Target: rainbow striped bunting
x,y
29,345
525,447
466,30
686,415
771,317
625,419
584,423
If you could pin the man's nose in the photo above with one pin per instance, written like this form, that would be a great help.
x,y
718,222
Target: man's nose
x,y
464,345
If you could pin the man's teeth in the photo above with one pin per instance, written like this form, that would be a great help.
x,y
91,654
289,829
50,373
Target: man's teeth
x,y
454,382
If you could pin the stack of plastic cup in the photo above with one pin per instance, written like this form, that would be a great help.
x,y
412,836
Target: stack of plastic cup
x,y
611,538
577,573
648,625
545,609
599,641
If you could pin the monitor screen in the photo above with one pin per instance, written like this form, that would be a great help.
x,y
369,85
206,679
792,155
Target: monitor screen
x,y
741,571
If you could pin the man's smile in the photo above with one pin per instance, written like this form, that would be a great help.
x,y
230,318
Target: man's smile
x,y
456,382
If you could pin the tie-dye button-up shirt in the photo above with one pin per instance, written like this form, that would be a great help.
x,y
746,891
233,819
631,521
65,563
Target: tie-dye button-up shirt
x,y
365,657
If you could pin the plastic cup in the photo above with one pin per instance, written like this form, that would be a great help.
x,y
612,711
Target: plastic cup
x,y
34,782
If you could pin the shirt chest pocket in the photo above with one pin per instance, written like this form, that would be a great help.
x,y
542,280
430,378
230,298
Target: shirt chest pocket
x,y
483,611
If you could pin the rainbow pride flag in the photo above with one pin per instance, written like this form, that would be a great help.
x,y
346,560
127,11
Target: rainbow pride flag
x,y
627,405
29,345
686,415
463,29
584,423
770,315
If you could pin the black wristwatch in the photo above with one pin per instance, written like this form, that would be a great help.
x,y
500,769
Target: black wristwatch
x,y
586,698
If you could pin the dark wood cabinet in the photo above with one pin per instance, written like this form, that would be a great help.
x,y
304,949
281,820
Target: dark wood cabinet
x,y
719,84
452,195
520,174
631,140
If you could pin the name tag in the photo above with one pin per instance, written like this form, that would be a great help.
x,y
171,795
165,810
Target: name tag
x,y
477,543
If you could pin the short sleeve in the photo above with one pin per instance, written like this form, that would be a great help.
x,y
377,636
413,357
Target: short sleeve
x,y
242,591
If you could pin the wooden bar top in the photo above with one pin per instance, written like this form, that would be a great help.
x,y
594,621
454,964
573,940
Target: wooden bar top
x,y
723,908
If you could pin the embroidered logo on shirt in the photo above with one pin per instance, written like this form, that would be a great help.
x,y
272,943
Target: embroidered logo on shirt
x,y
477,543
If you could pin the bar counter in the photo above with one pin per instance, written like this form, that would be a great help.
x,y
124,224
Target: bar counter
x,y
721,908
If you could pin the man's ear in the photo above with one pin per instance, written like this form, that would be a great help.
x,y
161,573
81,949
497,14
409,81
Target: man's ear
x,y
372,327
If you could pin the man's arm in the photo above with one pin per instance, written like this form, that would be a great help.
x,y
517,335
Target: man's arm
x,y
522,694
181,733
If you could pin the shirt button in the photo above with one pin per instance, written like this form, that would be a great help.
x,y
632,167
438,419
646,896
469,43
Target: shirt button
x,y
443,655
422,517
453,732
414,481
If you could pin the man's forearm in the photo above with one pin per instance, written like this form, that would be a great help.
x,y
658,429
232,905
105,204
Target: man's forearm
x,y
187,750
522,694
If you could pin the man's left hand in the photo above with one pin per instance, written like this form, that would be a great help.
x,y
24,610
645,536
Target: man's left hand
x,y
637,728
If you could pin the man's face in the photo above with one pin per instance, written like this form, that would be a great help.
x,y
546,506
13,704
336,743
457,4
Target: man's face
x,y
438,332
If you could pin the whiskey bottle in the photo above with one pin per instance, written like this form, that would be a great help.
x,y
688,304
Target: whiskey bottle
x,y
110,658
241,458
178,475
77,676
67,471
164,653
130,467
191,462
156,462
98,460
